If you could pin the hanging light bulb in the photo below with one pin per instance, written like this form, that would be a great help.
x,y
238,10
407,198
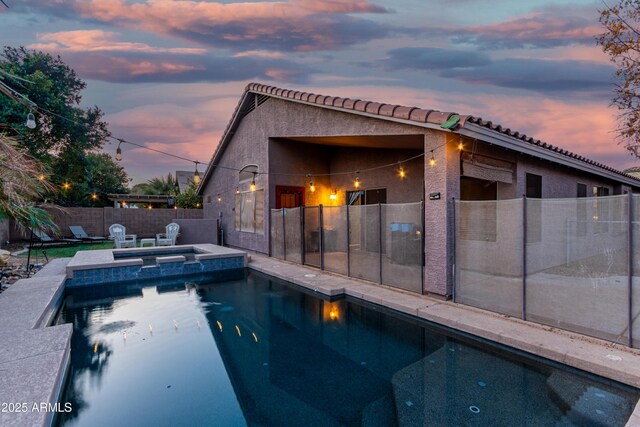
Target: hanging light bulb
x,y
31,121
119,152
252,187
432,160
219,198
311,186
402,173
237,190
460,145
333,195
196,175
356,183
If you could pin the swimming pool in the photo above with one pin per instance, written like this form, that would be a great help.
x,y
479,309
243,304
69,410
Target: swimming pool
x,y
258,351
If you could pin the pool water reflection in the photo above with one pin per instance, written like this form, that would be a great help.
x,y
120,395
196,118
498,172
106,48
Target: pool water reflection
x,y
257,351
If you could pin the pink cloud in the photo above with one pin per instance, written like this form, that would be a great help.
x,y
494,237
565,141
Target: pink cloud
x,y
289,25
100,41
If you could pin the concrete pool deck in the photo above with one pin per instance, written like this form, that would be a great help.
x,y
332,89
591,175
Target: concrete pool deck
x,y
34,357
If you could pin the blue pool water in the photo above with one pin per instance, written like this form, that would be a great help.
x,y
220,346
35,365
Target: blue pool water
x,y
257,351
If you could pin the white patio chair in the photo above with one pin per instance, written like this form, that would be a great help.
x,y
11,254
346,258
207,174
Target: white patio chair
x,y
168,238
120,237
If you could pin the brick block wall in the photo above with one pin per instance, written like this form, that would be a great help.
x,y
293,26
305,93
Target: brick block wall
x,y
96,221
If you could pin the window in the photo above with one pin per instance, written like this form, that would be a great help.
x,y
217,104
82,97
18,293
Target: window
x,y
534,207
367,197
581,227
478,221
247,173
534,186
249,212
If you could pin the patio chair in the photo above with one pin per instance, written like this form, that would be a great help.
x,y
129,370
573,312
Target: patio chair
x,y
169,237
43,238
79,233
120,237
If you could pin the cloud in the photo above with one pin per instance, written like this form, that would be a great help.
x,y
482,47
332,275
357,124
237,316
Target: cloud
x,y
551,27
167,68
295,25
99,55
98,41
430,58
538,75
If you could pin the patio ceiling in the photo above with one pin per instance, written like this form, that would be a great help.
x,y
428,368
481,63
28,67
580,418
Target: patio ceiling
x,y
365,141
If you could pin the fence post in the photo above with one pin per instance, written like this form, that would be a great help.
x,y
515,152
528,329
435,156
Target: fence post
x,y
300,224
302,240
630,266
380,241
321,220
270,234
524,257
454,229
348,244
284,234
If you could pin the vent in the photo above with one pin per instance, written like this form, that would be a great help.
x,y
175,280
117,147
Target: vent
x,y
255,100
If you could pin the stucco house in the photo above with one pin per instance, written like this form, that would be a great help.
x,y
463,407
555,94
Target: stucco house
x,y
282,142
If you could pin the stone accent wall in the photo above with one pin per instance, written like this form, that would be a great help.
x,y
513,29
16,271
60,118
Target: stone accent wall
x,y
96,221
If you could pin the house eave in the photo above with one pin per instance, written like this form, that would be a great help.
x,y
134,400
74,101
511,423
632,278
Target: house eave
x,y
481,133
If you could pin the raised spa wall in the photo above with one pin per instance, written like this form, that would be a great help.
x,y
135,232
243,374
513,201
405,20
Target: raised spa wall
x,y
98,267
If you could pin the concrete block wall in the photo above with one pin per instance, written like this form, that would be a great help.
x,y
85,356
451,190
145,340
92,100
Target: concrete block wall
x,y
96,221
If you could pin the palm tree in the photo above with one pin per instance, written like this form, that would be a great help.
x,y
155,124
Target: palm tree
x,y
22,185
164,186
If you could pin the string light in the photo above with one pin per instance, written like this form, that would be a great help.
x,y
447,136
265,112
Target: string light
x,y
94,196
333,195
432,160
356,183
237,190
460,145
149,207
311,186
66,186
119,152
402,173
252,187
196,175
41,177
219,198
31,121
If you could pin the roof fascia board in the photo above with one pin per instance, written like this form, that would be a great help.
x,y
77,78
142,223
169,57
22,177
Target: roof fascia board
x,y
472,130
224,141
360,113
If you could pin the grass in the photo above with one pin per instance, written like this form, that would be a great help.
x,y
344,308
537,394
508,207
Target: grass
x,y
66,251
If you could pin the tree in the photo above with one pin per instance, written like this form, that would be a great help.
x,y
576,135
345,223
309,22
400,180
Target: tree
x,y
164,186
65,134
189,199
621,42
20,188
101,176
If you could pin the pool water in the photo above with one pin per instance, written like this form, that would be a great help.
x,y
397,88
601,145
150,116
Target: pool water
x,y
257,351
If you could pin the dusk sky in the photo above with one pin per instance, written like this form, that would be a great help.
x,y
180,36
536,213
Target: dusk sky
x,y
168,74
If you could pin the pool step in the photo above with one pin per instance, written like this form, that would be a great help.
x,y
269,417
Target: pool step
x,y
380,413
585,404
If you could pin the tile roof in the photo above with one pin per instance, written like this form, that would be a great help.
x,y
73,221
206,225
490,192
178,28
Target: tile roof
x,y
414,114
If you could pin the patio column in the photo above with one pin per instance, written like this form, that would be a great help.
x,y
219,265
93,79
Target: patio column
x,y
442,178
